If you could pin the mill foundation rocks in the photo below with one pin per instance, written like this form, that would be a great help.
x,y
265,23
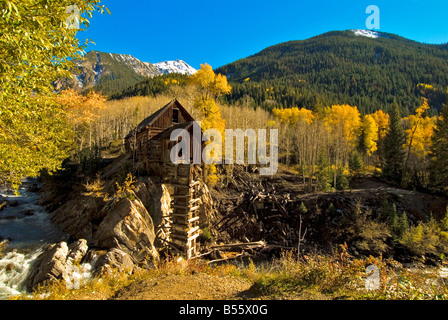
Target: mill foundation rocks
x,y
127,226
115,232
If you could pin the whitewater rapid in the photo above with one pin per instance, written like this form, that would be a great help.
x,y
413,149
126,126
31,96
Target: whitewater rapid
x,y
25,229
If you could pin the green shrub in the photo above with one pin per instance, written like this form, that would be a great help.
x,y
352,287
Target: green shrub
x,y
370,233
206,234
303,209
126,190
423,238
342,182
372,237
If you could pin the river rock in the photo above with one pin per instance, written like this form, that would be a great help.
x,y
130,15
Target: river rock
x,y
33,188
78,250
155,197
55,262
50,265
4,240
9,218
114,259
13,203
28,213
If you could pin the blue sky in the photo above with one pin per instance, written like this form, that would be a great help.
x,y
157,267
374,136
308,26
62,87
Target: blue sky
x,y
221,31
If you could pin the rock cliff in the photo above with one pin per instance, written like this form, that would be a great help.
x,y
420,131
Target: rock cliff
x,y
115,232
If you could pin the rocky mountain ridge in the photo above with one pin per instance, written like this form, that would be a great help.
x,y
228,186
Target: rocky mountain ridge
x,y
111,73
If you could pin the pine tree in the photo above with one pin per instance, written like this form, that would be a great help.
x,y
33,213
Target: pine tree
x,y
444,221
355,163
394,153
439,150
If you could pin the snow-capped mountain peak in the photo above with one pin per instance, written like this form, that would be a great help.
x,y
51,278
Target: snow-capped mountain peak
x,y
174,66
368,33
101,69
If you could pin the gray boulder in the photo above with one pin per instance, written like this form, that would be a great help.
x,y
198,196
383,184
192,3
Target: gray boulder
x,y
114,259
55,263
127,226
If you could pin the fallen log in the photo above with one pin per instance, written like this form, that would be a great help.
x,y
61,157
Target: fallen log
x,y
202,255
246,245
243,254
274,246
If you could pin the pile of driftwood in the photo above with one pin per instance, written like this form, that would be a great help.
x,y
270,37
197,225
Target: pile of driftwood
x,y
260,217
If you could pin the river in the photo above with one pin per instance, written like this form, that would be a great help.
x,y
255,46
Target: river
x,y
24,229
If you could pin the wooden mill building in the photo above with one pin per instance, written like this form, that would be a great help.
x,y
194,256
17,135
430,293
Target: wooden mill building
x,y
150,143
172,114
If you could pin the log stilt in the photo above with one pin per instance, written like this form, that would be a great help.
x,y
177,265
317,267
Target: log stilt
x,y
185,205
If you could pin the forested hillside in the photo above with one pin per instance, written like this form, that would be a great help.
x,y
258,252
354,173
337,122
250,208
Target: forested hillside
x,y
152,86
342,68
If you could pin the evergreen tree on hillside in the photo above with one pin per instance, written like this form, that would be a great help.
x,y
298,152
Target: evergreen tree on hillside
x,y
394,153
439,150
342,68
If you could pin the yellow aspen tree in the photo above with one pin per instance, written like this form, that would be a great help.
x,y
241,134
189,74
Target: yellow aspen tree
x,y
37,46
296,129
284,116
82,111
382,121
344,120
343,123
210,86
419,133
370,134
414,132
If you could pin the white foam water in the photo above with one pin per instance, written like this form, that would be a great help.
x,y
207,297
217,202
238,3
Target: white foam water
x,y
14,268
25,228
443,272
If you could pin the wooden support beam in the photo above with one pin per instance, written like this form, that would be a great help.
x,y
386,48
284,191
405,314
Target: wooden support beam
x,y
195,208
193,230
194,236
183,215
194,200
179,185
193,219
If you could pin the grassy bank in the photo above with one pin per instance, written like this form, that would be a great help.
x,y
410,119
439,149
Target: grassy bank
x,y
338,276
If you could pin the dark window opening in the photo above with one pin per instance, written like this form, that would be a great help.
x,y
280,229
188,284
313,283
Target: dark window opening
x,y
175,115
